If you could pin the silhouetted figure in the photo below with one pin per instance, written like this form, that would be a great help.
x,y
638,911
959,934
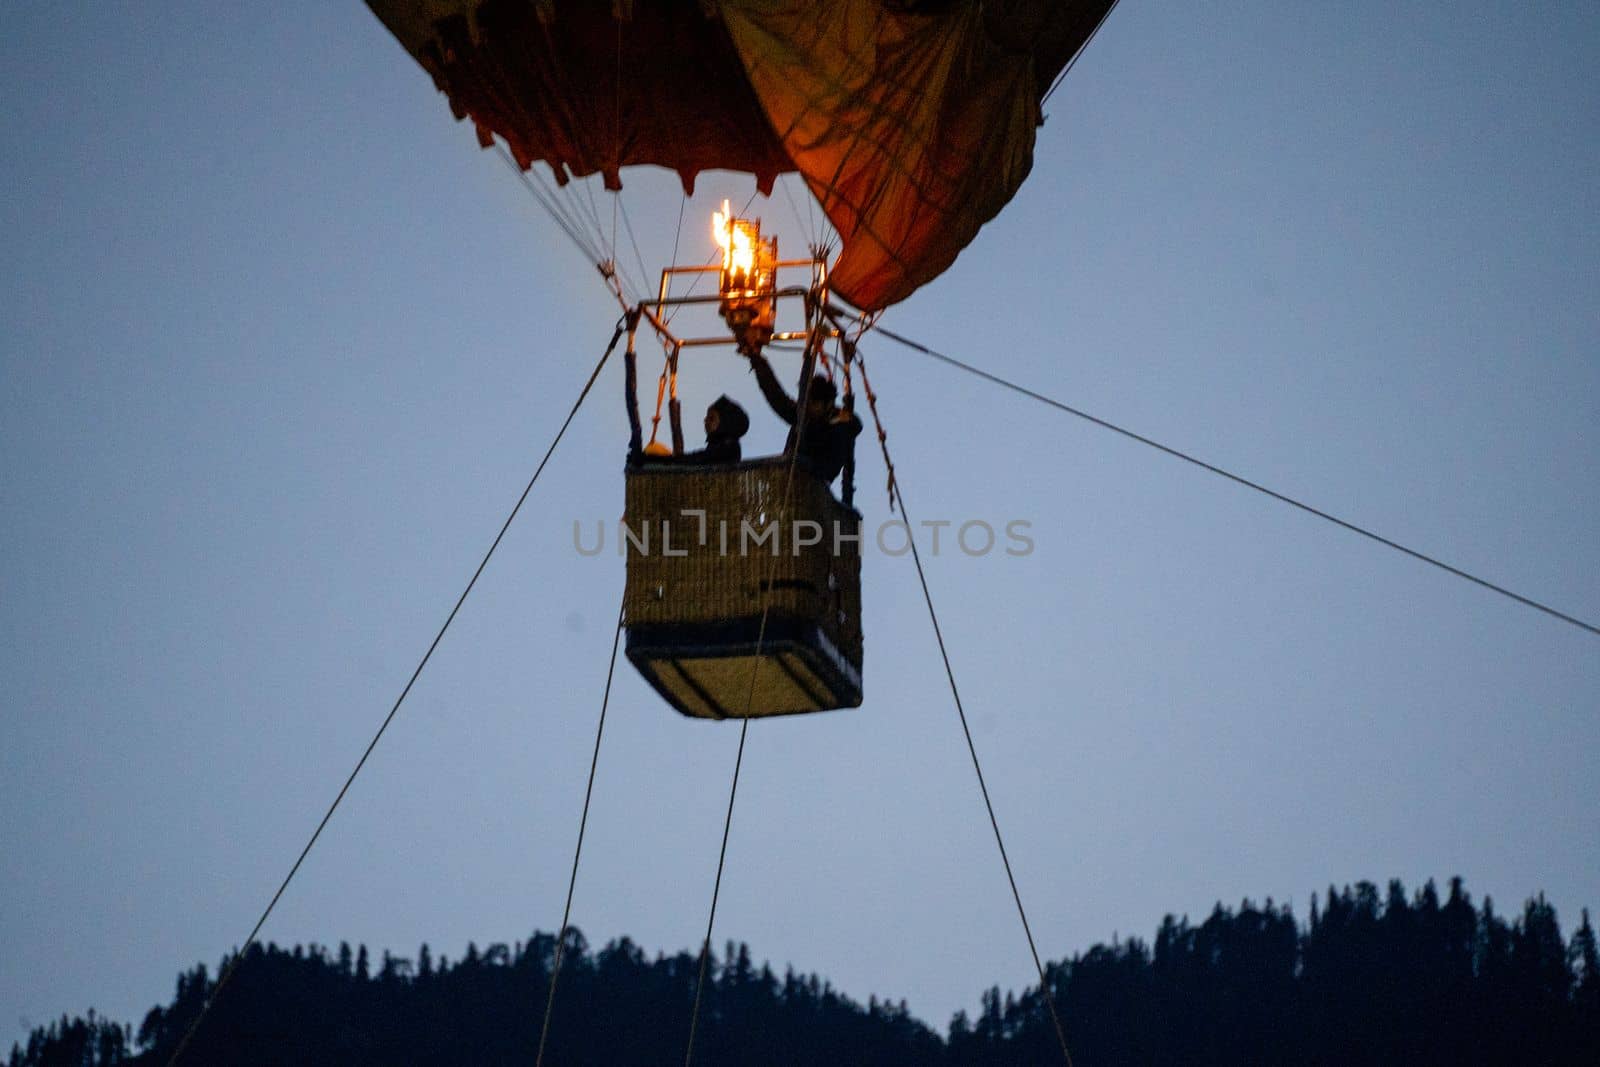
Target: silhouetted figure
x,y
828,438
726,423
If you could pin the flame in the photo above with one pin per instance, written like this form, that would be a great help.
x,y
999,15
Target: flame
x,y
738,247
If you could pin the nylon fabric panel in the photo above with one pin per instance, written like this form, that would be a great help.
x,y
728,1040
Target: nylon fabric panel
x,y
547,77
912,130
911,122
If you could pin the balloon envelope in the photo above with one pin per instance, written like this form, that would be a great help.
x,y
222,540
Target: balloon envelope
x,y
912,123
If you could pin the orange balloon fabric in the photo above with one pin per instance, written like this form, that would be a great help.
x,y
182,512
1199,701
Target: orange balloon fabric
x,y
912,123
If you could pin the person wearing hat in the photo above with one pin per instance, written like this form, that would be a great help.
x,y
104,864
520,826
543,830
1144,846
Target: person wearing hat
x,y
726,423
828,433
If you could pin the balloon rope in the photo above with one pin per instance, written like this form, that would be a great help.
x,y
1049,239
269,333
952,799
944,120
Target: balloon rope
x,y
895,495
1282,498
238,957
1073,61
818,326
1016,895
583,823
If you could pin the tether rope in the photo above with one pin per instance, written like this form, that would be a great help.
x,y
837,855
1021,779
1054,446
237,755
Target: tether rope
x,y
583,823
916,556
1240,480
722,856
1074,60
238,957
750,696
1044,985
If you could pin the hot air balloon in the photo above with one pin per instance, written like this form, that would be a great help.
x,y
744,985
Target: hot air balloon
x,y
911,122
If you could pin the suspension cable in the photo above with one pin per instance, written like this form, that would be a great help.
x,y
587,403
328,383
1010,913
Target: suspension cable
x,y
750,696
238,957
877,422
644,271
966,730
583,822
794,210
1240,480
565,219
1016,895
578,217
616,157
677,234
1084,47
722,857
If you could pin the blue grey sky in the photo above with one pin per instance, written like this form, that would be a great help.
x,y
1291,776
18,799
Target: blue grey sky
x,y
279,346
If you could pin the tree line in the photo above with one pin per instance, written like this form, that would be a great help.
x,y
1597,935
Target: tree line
x,y
1369,977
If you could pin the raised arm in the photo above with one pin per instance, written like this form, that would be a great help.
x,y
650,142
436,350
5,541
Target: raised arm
x,y
777,399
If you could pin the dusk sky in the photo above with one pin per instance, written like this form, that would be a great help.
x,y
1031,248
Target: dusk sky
x,y
279,347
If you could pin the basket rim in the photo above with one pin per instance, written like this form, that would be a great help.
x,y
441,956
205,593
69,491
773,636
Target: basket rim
x,y
635,468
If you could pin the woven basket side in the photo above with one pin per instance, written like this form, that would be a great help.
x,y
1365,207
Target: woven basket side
x,y
687,568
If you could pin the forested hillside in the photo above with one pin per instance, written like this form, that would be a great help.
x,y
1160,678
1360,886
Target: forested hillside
x,y
1368,977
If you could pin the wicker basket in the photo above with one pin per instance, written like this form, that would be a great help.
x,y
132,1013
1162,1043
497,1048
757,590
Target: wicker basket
x,y
709,548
